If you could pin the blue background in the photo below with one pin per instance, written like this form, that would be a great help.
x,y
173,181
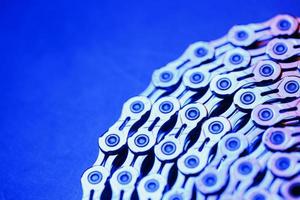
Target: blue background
x,y
67,67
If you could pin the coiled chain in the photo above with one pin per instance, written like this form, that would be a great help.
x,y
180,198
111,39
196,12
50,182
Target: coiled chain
x,y
220,122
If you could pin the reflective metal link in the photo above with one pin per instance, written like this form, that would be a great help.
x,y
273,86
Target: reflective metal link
x,y
220,122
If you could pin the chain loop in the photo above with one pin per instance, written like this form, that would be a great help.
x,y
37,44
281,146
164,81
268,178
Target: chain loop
x,y
220,122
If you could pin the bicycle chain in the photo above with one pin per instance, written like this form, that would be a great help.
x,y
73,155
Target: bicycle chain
x,y
220,122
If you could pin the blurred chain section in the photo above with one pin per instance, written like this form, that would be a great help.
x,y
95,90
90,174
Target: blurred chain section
x,y
220,122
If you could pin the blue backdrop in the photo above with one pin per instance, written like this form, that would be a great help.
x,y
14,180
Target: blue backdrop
x,y
67,67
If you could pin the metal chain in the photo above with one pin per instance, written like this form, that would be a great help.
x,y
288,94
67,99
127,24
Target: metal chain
x,y
220,122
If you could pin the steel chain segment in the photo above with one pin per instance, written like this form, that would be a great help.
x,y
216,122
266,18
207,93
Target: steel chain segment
x,y
256,67
199,52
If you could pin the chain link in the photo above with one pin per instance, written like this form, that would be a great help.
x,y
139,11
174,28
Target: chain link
x,y
219,122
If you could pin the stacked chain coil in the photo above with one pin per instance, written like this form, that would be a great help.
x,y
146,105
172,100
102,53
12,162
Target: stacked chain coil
x,y
220,122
